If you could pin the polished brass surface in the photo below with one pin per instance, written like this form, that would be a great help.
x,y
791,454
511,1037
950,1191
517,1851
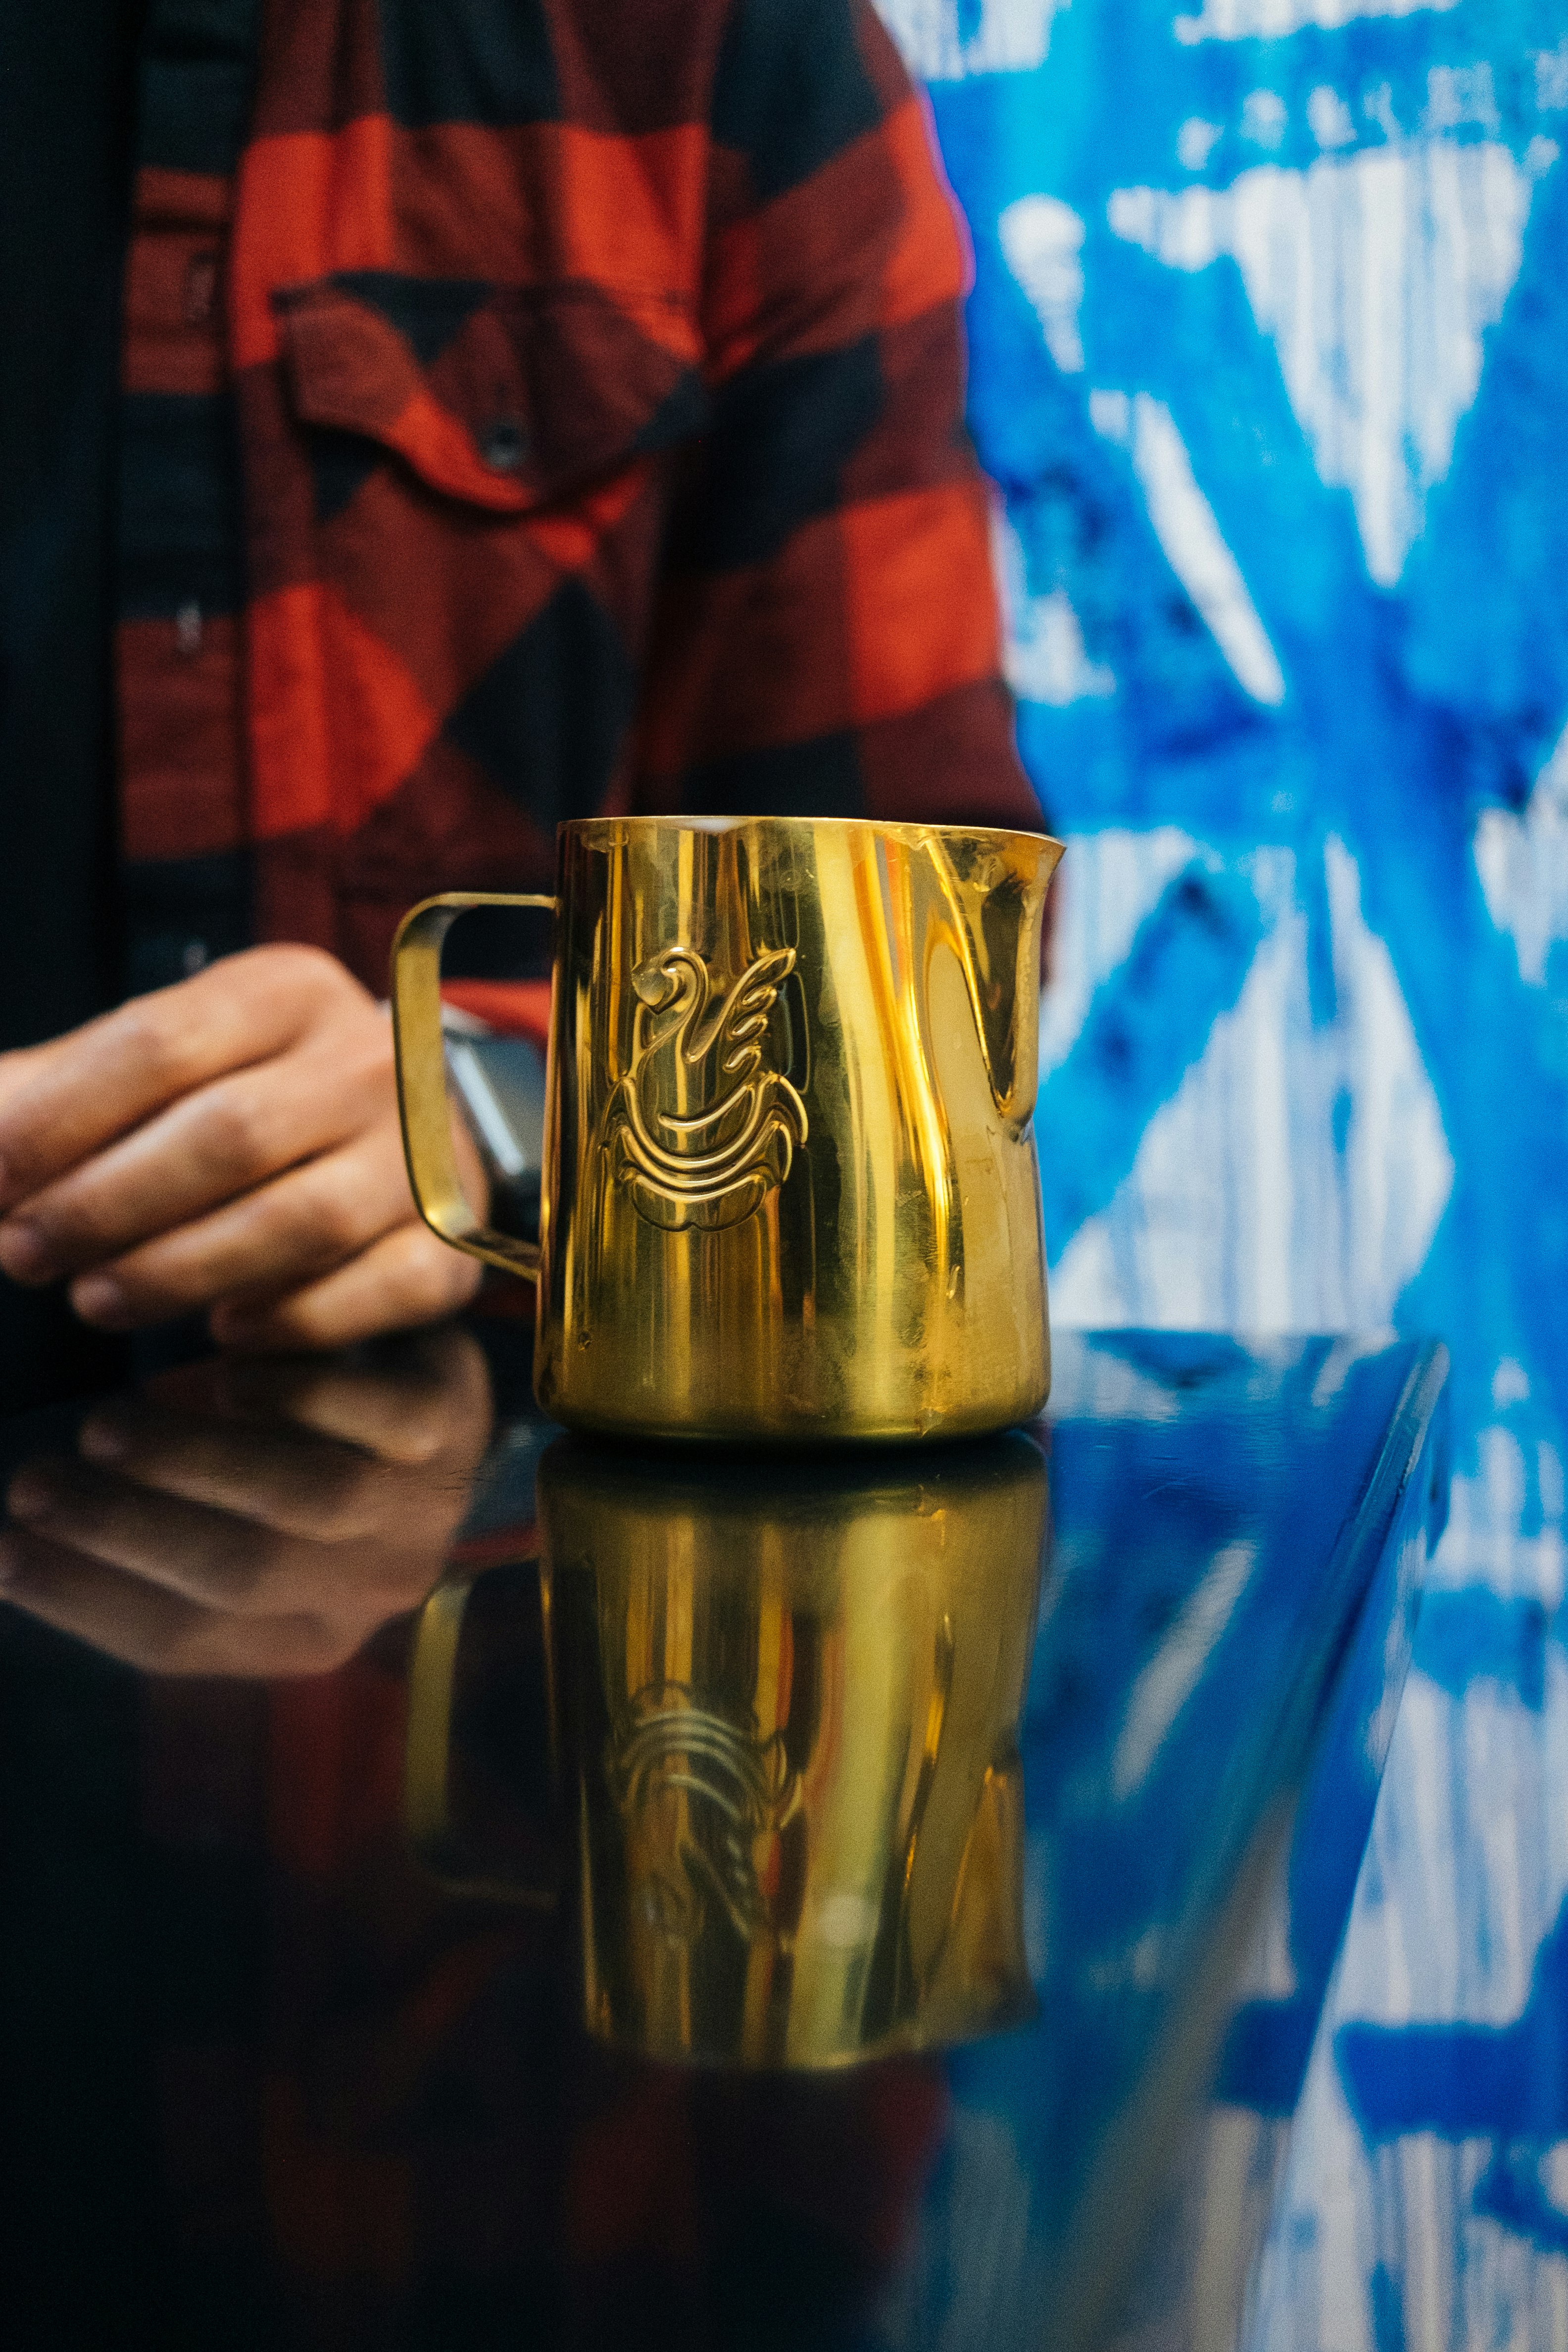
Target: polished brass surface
x,y
789,1706
438,1842
495,1850
789,1182
422,1097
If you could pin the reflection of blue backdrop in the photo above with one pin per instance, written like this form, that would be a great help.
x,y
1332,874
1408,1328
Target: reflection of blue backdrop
x,y
1269,362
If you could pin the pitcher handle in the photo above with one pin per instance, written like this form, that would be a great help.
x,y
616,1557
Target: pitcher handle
x,y
427,1753
422,1101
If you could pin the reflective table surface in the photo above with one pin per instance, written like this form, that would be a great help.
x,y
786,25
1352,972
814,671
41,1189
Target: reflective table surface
x,y
465,1886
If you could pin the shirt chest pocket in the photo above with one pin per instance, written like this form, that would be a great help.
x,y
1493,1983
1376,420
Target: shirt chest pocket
x,y
506,400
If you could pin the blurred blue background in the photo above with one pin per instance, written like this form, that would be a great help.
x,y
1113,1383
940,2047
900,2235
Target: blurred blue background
x,y
1269,364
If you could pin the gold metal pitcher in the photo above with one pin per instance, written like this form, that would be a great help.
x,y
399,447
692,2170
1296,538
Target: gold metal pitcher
x,y
790,1704
790,1185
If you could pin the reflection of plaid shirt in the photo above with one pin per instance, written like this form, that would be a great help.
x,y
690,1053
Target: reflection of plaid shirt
x,y
594,378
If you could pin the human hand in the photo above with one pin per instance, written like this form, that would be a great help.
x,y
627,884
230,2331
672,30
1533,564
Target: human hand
x,y
229,1145
254,1518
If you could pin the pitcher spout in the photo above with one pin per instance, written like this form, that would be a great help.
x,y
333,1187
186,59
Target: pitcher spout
x,y
995,887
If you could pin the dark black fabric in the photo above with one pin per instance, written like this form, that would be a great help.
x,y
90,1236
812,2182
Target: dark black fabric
x,y
792,91
568,670
487,61
179,552
66,107
197,82
179,506
780,439
184,914
65,173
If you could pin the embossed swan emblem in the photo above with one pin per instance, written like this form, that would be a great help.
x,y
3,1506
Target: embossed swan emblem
x,y
697,1790
715,1164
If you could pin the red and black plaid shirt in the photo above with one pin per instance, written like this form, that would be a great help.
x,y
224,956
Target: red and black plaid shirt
x,y
591,373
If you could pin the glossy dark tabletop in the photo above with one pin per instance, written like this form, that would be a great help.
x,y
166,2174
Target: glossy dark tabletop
x,y
467,1888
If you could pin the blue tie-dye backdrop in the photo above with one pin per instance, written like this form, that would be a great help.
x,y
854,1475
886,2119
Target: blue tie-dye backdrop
x,y
1269,362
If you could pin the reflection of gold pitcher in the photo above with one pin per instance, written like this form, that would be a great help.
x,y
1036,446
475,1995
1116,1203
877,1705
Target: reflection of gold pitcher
x,y
790,1187
790,1707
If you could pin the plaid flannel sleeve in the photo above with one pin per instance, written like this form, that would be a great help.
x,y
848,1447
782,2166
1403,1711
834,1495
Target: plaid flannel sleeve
x,y
826,636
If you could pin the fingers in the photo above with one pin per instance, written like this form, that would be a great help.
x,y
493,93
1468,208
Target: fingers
x,y
244,1567
211,1146
83,1090
157,1632
407,1277
230,1144
255,1516
16,1071
207,1557
88,1542
288,1481
414,1400
281,1236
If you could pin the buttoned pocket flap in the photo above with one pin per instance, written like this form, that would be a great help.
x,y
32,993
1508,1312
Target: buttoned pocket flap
x,y
507,398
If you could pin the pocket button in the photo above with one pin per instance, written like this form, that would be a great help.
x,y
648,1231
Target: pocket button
x,y
201,288
505,444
